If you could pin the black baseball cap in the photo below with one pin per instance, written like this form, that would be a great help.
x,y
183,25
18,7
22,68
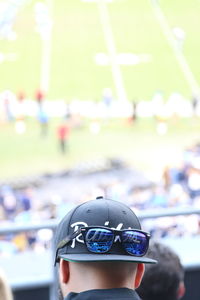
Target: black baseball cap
x,y
98,212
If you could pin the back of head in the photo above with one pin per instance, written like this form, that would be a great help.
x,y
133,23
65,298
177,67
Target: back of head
x,y
163,280
103,214
100,244
109,274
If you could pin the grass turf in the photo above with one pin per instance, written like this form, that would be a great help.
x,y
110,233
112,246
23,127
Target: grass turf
x,y
138,144
77,36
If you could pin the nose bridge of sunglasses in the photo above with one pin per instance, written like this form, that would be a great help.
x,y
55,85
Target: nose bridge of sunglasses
x,y
117,238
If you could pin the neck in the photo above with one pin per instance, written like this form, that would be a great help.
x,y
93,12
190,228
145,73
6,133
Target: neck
x,y
97,278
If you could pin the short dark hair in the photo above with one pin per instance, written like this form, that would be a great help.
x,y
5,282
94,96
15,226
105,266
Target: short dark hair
x,y
161,281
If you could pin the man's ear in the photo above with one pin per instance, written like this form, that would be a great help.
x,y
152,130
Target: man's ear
x,y
181,290
139,274
64,271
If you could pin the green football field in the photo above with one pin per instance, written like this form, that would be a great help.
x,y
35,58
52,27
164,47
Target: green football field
x,y
79,38
139,145
125,45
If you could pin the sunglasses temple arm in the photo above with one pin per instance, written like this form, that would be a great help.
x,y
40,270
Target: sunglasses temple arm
x,y
55,260
64,242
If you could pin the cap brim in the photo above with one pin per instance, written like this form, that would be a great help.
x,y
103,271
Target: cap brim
x,y
106,257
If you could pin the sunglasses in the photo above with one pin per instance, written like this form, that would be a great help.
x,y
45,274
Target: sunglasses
x,y
99,240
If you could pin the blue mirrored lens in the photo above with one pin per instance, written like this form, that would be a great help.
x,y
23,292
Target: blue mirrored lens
x,y
134,242
99,240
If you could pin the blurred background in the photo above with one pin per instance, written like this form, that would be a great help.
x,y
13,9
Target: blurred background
x,y
103,95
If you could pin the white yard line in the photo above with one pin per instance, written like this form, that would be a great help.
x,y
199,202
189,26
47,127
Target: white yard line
x,y
116,72
189,76
45,65
46,54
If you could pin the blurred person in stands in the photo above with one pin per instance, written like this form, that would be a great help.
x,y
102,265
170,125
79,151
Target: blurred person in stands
x,y
5,290
100,250
8,201
165,280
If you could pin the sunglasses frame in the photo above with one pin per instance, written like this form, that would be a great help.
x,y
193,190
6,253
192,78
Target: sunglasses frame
x,y
116,232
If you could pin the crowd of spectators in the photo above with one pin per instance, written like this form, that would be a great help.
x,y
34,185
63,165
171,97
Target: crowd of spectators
x,y
179,188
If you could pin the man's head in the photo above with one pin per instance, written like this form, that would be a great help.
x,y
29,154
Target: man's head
x,y
165,280
102,240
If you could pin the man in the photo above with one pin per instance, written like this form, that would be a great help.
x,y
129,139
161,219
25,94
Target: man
x,y
63,133
101,251
164,280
